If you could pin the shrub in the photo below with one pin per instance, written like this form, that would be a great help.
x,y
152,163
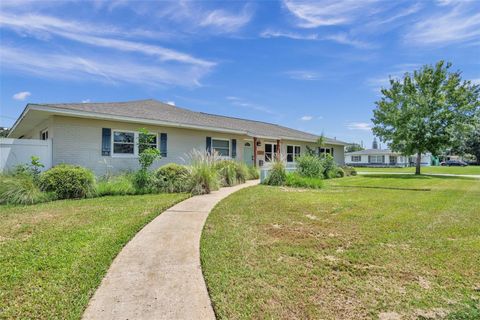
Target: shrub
x,y
22,189
329,167
68,181
143,181
242,172
296,180
340,173
277,174
117,185
349,171
31,169
309,166
172,177
227,172
203,174
253,173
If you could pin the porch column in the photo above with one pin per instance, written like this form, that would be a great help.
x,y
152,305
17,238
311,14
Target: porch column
x,y
254,151
278,149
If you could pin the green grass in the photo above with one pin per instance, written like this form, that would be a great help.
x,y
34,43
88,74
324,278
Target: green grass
x,y
298,181
54,255
438,169
359,247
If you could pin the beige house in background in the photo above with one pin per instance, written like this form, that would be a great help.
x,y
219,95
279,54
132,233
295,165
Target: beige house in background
x,y
104,136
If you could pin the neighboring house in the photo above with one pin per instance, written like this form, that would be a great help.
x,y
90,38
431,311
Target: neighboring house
x,y
383,158
105,135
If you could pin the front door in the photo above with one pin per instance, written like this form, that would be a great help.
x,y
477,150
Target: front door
x,y
248,153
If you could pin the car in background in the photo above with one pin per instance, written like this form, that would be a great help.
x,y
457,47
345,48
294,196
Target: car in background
x,y
454,163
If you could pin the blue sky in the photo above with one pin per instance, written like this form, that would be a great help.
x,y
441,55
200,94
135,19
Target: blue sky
x,y
316,66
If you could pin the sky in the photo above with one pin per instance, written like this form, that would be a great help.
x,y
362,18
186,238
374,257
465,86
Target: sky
x,y
316,66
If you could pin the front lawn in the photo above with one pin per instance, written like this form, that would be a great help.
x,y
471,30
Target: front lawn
x,y
54,255
361,248
437,169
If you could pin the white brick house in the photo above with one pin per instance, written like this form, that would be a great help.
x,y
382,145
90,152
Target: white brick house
x,y
97,135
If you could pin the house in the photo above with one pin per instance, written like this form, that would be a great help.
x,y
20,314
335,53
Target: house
x,y
383,158
104,136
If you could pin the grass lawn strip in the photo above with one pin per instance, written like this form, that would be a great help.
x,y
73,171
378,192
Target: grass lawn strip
x,y
54,255
475,170
346,252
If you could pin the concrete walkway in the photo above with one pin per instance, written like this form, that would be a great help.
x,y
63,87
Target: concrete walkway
x,y
158,275
475,176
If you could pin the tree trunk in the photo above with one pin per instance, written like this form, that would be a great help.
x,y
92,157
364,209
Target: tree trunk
x,y
419,159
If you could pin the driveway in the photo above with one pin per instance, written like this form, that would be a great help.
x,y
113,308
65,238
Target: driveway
x,y
158,274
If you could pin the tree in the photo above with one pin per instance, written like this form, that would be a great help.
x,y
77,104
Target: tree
x,y
320,142
425,110
353,147
147,154
4,132
469,144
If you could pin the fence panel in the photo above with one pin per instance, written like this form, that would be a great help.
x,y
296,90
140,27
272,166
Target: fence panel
x,y
18,151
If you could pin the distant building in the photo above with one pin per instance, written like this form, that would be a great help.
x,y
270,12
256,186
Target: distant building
x,y
383,158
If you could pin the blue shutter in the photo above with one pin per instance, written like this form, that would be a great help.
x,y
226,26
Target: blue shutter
x,y
209,144
234,148
163,145
106,141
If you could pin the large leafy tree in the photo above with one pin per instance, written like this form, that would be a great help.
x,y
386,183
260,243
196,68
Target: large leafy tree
x,y
426,110
353,147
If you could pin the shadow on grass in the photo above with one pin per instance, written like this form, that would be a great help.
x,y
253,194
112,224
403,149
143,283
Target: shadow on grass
x,y
412,176
385,188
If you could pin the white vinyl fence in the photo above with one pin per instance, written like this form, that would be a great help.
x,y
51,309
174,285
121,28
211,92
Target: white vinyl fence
x,y
19,151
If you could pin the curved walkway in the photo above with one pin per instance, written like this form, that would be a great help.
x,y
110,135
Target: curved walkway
x,y
157,275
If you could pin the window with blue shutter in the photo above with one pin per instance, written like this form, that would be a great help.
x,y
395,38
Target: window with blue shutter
x,y
163,145
234,148
209,144
106,141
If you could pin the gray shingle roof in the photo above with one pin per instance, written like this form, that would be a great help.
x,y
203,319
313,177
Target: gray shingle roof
x,y
156,110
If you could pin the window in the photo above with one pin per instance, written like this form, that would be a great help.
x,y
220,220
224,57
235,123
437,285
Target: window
x,y
292,153
147,141
222,147
270,151
376,159
123,142
356,158
325,150
44,134
393,160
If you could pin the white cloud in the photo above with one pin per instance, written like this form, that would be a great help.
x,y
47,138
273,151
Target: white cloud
x,y
306,118
67,66
239,102
86,101
226,21
21,95
303,75
476,81
364,126
341,38
82,32
314,13
193,16
170,103
457,23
